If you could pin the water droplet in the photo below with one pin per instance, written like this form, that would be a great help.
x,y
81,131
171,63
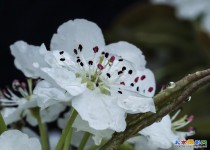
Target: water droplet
x,y
171,85
189,98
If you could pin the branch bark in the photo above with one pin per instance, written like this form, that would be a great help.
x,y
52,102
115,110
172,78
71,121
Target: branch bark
x,y
166,101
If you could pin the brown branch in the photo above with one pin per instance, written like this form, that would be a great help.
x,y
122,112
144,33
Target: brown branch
x,y
166,101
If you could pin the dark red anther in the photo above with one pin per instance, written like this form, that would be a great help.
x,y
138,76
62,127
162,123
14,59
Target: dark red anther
x,y
143,77
106,55
100,67
95,49
112,59
150,89
122,83
136,79
23,85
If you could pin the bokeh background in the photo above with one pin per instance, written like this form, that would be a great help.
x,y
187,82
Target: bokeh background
x,y
173,47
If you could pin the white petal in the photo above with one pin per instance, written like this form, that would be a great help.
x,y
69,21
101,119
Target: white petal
x,y
16,140
160,134
128,52
137,104
66,80
29,58
7,111
30,118
29,132
147,83
141,142
77,137
98,135
51,113
75,32
53,59
47,94
54,137
101,111
16,115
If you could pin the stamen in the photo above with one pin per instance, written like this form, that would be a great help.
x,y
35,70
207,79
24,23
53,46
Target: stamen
x,y
132,84
78,60
106,55
137,88
112,59
119,72
103,53
81,64
100,67
120,59
75,52
123,68
122,83
61,52
191,118
143,77
95,49
130,72
150,89
136,79
23,85
120,92
62,59
90,62
108,75
80,47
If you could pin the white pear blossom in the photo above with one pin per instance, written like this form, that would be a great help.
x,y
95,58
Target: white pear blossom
x,y
16,105
191,9
163,134
16,140
81,125
105,82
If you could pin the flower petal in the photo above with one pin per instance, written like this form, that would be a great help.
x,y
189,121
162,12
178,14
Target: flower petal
x,y
98,135
66,80
29,58
141,142
136,104
128,52
52,113
160,134
16,115
101,111
75,32
146,83
47,94
16,140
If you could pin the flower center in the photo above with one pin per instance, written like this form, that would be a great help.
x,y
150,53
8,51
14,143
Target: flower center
x,y
105,71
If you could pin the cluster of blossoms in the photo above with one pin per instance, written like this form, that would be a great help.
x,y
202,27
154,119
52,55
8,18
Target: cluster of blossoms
x,y
191,9
101,83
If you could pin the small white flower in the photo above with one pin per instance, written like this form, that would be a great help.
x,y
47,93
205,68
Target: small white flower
x,y
105,82
15,105
81,125
163,134
16,140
